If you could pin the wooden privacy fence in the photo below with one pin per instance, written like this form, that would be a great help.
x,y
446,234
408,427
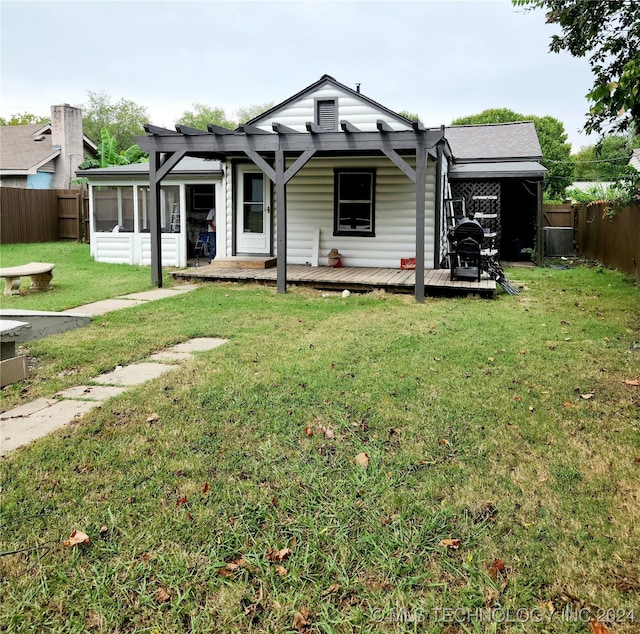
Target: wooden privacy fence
x,y
43,215
558,215
613,241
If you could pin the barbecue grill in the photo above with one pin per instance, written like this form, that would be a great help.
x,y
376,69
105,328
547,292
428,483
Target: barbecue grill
x,y
465,256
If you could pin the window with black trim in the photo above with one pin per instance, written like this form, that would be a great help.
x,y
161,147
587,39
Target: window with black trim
x,y
327,114
354,204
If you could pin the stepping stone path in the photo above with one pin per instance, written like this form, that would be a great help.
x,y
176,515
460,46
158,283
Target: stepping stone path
x,y
33,420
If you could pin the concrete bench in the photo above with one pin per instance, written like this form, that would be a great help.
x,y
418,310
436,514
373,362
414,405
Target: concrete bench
x,y
39,272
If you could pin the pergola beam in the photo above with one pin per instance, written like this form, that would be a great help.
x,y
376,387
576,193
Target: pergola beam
x,y
348,127
256,143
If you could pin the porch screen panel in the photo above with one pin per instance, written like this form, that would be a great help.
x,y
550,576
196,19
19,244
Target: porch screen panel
x,y
112,208
253,203
169,209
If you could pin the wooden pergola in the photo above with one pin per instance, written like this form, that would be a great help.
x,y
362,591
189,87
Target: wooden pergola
x,y
269,151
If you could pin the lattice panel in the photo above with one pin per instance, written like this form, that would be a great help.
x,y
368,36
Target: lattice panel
x,y
475,194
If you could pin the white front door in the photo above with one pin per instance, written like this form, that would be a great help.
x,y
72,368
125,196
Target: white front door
x,y
253,212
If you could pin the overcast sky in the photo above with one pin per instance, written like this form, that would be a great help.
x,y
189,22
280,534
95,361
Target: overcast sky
x,y
440,59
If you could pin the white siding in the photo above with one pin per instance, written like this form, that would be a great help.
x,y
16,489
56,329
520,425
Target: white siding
x,y
350,107
135,248
114,248
310,204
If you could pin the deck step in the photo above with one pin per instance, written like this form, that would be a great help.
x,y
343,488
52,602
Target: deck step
x,y
244,262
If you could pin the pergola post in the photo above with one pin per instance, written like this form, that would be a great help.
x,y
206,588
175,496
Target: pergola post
x,y
154,218
281,209
421,181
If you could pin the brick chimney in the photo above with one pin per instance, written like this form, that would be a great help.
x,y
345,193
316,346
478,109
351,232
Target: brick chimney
x,y
66,132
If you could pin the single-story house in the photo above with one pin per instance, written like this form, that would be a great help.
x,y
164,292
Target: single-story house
x,y
328,168
44,156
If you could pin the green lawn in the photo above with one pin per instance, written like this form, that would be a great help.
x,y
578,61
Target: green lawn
x,y
77,278
505,424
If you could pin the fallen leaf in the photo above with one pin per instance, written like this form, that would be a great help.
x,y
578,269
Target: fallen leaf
x,y
334,587
634,382
327,431
152,418
597,627
454,544
104,529
277,556
162,595
496,567
76,538
301,619
522,352
206,487
568,404
181,500
362,460
308,431
444,442
282,571
587,396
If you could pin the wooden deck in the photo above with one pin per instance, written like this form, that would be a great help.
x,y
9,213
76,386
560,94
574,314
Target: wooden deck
x,y
362,279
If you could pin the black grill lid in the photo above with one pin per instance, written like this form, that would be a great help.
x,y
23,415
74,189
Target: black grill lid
x,y
468,228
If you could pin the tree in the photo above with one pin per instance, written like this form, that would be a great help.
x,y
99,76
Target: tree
x,y
556,152
108,155
250,112
201,115
409,115
25,118
604,161
608,32
123,120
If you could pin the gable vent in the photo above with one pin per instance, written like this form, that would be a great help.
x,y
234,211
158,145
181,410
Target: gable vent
x,y
327,114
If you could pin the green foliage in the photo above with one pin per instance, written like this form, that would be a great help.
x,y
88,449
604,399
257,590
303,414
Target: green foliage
x,y
202,115
24,118
124,119
556,152
251,112
604,161
625,191
608,33
409,115
108,155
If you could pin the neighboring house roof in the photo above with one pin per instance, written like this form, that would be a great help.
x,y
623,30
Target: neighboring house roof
x,y
188,165
634,160
24,149
324,81
495,141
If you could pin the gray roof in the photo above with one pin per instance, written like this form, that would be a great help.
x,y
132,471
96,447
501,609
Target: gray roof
x,y
503,169
494,142
26,148
188,165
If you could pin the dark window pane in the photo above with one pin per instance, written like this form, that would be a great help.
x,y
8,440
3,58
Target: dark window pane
x,y
355,186
253,218
354,217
